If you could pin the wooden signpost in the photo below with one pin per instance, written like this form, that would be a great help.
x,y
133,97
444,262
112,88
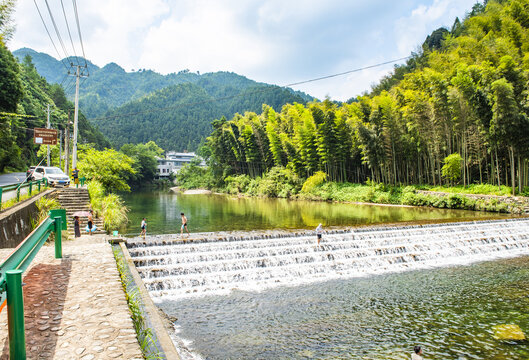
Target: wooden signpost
x,y
45,136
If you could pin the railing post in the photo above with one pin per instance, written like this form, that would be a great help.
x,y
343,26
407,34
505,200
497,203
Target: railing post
x,y
38,184
15,315
1,197
30,187
58,237
18,194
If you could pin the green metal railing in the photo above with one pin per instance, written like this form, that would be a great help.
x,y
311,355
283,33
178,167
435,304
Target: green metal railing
x,y
81,182
17,187
11,277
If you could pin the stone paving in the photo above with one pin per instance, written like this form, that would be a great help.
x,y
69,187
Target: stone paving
x,y
75,307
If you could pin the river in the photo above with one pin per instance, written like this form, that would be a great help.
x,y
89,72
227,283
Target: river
x,y
226,213
436,288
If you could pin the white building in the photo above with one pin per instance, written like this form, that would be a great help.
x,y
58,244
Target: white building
x,y
174,161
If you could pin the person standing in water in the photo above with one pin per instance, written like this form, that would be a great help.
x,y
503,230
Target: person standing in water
x,y
184,226
417,352
143,228
319,231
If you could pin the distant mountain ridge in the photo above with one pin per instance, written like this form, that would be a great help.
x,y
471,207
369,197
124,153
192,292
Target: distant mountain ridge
x,y
110,94
111,86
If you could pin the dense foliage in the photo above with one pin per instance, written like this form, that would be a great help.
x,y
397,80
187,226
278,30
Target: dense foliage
x,y
24,96
467,94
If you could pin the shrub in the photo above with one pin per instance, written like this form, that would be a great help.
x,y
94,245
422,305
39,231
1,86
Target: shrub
x,y
96,191
114,212
237,184
315,180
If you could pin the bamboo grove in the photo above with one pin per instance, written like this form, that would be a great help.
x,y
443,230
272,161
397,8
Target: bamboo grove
x,y
469,95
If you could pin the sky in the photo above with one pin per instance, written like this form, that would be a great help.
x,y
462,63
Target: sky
x,y
274,41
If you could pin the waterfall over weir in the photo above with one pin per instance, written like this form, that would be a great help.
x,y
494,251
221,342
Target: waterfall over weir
x,y
176,270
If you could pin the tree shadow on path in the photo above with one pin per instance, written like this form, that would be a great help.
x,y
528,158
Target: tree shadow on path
x,y
45,291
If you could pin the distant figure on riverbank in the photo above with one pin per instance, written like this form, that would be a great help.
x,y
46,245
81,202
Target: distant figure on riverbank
x,y
143,228
319,231
417,352
76,228
184,226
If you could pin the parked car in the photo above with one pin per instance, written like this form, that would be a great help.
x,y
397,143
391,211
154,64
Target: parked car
x,y
54,175
29,173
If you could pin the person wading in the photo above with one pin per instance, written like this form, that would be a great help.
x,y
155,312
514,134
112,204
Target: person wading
x,y
184,226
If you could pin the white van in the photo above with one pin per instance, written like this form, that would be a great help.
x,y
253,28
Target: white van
x,y
54,175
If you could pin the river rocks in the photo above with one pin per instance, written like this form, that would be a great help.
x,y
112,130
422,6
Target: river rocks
x,y
197,192
508,332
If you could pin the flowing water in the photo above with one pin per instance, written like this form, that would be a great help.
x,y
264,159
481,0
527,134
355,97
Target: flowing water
x,y
285,297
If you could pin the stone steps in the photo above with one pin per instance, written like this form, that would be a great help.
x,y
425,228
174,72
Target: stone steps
x,y
74,200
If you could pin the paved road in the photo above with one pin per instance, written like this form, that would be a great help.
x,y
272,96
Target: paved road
x,y
12,178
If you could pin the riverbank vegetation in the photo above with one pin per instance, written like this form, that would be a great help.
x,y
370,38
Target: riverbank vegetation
x,y
108,205
143,332
460,101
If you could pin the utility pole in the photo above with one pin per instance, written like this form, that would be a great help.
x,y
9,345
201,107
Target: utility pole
x,y
78,75
47,127
60,148
67,147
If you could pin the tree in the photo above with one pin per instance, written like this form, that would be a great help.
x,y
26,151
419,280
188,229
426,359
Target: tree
x,y
7,28
451,169
10,85
110,167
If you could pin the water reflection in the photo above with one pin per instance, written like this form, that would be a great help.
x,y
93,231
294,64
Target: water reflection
x,y
225,213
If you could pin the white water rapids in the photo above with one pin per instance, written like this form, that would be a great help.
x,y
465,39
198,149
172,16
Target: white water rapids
x,y
175,270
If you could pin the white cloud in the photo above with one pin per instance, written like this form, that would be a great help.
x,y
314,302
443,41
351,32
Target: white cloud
x,y
412,30
273,41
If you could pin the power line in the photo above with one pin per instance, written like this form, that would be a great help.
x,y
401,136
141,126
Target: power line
x,y
269,88
57,30
347,72
79,30
49,35
69,34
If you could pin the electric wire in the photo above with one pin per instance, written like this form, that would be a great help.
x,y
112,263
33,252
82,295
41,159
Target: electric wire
x,y
79,30
49,35
57,31
69,33
268,88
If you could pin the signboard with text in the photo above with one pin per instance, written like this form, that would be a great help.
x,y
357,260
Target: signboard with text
x,y
45,136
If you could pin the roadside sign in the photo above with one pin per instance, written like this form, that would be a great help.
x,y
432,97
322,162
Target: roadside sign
x,y
45,136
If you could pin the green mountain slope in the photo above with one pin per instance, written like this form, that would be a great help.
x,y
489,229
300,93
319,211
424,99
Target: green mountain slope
x,y
111,86
179,117
110,93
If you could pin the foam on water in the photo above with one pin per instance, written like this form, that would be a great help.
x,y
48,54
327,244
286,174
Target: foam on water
x,y
174,271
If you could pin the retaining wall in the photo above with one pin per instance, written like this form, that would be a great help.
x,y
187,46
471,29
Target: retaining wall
x,y
15,222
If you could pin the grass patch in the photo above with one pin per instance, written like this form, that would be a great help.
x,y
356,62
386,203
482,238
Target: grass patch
x,y
482,189
12,202
144,334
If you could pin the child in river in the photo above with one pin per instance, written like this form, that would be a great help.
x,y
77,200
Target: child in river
x,y
319,231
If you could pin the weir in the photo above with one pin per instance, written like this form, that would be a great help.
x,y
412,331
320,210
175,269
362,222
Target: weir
x,y
173,270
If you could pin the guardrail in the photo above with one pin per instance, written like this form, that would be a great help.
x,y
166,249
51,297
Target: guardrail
x,y
81,182
17,187
11,277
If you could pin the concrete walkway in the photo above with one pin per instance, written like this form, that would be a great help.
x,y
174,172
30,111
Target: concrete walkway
x,y
75,307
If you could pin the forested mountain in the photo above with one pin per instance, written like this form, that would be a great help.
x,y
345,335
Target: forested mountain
x,y
179,117
24,96
111,86
466,93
